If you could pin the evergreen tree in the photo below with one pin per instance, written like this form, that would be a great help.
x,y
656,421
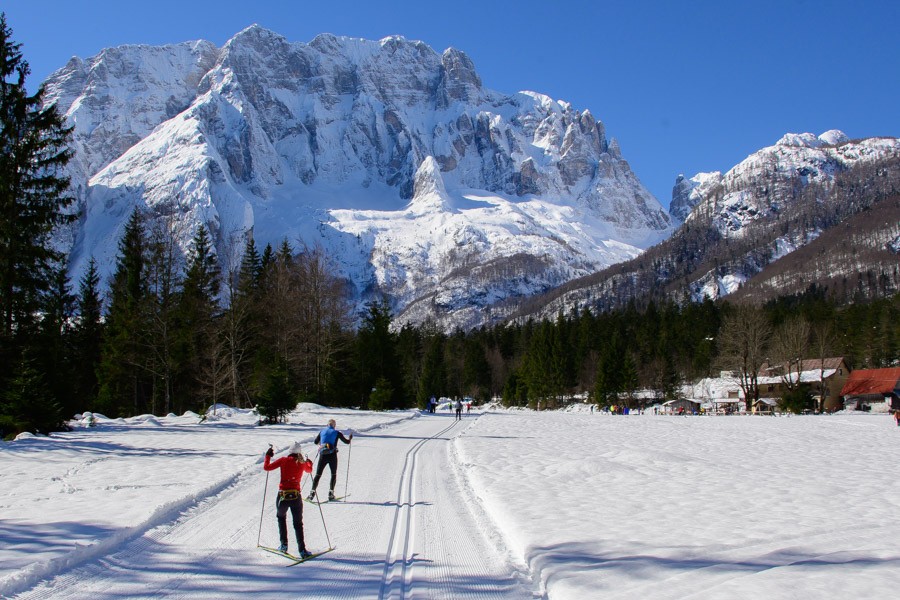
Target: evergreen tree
x,y
240,321
377,355
410,348
476,374
277,397
121,376
52,347
27,402
159,342
251,270
33,202
543,367
203,358
610,373
381,396
87,338
432,380
629,379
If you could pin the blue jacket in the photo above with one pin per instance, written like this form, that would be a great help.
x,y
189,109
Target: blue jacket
x,y
328,438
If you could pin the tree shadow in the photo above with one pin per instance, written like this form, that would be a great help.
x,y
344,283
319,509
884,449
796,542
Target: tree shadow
x,y
547,562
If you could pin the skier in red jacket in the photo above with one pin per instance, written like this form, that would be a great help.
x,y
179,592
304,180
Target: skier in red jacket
x,y
292,466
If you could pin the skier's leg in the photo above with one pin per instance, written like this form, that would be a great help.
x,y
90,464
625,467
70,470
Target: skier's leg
x,y
281,514
297,515
332,464
319,468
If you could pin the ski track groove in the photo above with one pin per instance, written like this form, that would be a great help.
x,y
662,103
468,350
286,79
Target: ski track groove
x,y
404,520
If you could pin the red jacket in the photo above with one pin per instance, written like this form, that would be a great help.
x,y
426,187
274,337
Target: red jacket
x,y
291,471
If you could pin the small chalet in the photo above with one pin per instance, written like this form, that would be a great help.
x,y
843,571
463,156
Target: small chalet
x,y
867,387
829,374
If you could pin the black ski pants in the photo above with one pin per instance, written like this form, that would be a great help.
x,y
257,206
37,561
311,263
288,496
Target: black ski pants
x,y
296,508
331,461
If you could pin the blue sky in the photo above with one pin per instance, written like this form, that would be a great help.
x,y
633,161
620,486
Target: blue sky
x,y
683,86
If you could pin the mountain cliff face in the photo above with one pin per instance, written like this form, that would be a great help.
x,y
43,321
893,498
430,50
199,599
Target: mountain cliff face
x,y
420,183
742,231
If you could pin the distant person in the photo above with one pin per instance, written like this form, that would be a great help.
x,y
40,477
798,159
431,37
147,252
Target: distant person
x,y
292,466
327,440
897,417
458,407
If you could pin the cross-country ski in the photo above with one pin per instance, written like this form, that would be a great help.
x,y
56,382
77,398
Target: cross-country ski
x,y
296,560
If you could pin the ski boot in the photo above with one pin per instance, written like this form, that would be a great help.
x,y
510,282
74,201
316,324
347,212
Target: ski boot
x,y
304,554
312,496
283,548
330,495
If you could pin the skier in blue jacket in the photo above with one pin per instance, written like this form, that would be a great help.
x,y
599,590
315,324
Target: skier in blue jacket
x,y
327,440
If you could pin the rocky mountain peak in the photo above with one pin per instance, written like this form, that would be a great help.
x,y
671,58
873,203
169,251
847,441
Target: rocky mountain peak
x,y
832,137
758,185
340,136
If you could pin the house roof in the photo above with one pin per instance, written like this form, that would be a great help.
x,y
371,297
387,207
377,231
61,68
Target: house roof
x,y
805,377
807,364
863,382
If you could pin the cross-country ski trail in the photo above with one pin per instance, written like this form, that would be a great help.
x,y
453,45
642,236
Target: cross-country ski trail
x,y
407,530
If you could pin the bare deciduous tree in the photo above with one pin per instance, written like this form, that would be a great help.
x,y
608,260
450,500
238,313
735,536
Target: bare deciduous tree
x,y
743,342
790,346
823,340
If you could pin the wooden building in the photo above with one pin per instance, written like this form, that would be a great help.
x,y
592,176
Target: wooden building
x,y
825,377
868,387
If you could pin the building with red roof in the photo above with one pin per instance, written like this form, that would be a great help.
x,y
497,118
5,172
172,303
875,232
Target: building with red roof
x,y
868,386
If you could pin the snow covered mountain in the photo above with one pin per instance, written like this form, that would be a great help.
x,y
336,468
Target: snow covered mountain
x,y
770,183
835,198
759,185
420,183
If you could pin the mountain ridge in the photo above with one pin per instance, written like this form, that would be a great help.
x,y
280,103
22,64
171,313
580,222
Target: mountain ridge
x,y
743,229
322,143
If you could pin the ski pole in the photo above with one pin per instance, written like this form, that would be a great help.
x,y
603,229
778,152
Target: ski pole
x,y
325,527
347,478
263,509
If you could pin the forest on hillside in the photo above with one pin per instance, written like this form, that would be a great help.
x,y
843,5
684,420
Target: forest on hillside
x,y
175,333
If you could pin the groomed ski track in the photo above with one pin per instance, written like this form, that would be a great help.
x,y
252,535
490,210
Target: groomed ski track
x,y
410,529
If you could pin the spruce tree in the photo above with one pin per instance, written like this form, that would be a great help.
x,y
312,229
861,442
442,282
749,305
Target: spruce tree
x,y
203,353
377,354
87,338
52,347
239,325
159,339
33,202
122,377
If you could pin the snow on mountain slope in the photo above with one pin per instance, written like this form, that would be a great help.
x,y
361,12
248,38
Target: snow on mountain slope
x,y
737,225
419,182
764,186
759,185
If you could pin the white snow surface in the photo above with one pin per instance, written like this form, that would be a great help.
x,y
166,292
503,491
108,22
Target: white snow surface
x,y
504,504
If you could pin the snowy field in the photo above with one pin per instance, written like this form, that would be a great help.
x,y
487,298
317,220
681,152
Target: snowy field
x,y
505,504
